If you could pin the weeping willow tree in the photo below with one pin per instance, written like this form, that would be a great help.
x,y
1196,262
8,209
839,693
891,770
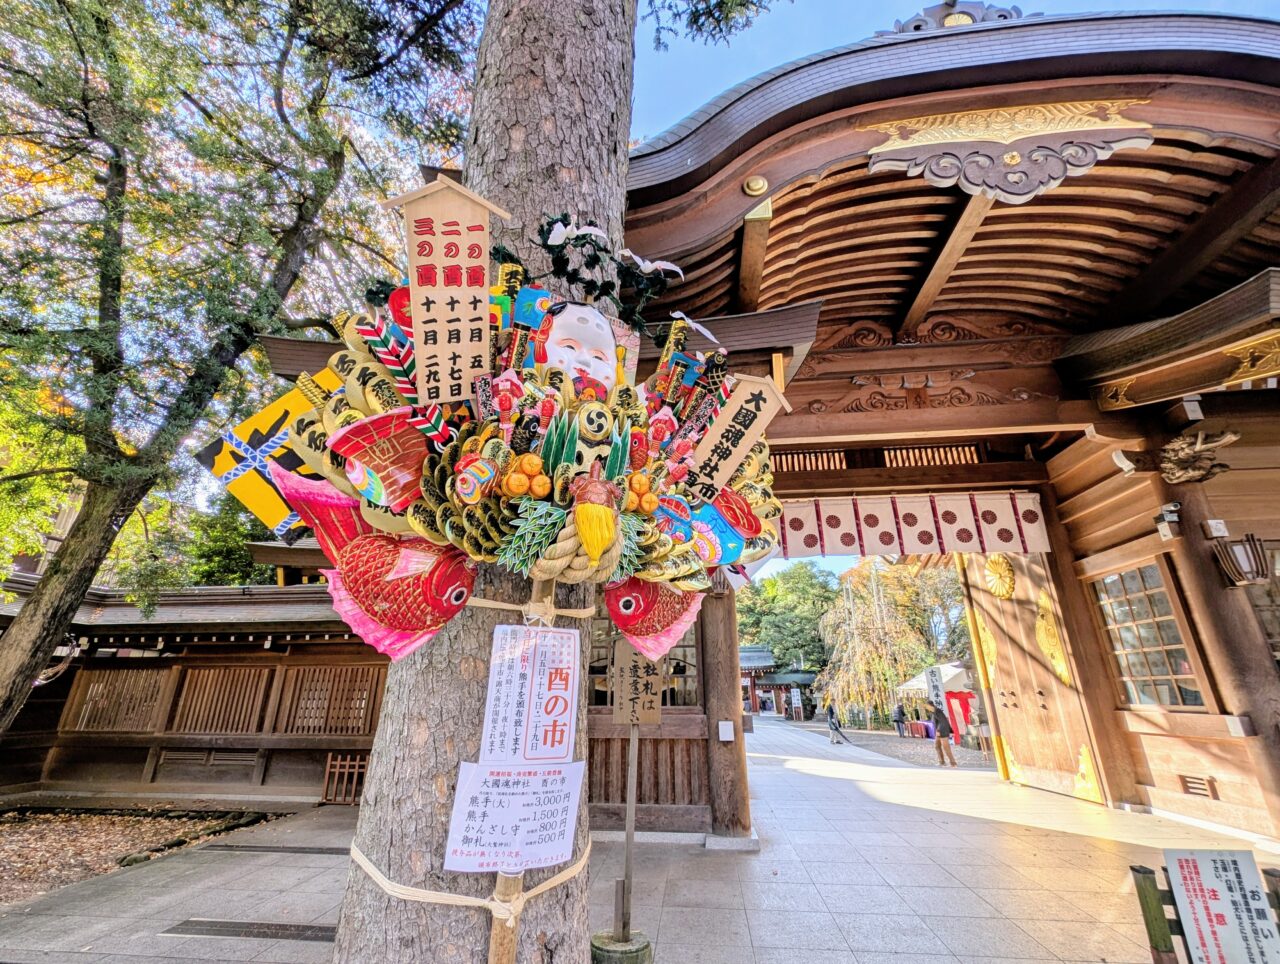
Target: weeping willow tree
x,y
872,635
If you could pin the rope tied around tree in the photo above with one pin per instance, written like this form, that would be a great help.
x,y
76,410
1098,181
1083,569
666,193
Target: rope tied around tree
x,y
507,911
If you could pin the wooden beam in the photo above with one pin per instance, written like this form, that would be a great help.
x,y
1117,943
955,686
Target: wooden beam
x,y
755,238
970,220
805,427
792,485
1236,212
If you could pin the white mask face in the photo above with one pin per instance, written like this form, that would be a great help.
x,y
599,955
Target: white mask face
x,y
582,343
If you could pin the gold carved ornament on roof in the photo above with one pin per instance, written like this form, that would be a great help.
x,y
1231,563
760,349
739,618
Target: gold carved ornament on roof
x,y
1011,154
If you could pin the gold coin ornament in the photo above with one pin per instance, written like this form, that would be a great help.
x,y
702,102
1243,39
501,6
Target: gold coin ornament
x,y
554,462
1000,577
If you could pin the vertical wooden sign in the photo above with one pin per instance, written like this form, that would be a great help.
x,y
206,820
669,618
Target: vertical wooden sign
x,y
739,425
637,686
447,241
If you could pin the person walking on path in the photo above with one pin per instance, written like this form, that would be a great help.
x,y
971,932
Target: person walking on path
x,y
941,733
833,725
900,720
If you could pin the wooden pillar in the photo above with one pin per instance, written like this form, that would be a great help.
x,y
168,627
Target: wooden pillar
x,y
1088,663
983,672
722,689
1235,650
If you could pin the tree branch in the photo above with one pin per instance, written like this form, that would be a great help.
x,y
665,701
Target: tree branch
x,y
424,27
277,87
209,116
36,473
302,324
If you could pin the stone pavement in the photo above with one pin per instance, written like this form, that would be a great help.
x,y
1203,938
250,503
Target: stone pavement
x,y
863,860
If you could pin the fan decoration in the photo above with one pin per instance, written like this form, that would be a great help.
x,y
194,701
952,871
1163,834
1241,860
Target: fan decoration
x,y
553,462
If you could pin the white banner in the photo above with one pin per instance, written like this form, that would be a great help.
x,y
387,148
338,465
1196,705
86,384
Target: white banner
x,y
518,807
929,524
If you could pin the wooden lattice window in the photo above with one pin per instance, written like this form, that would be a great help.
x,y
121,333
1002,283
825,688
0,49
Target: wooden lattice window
x,y
114,700
1148,638
344,778
222,699
330,700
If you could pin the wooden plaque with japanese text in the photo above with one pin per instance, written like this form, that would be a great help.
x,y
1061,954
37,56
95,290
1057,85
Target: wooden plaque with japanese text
x,y
637,686
739,425
447,242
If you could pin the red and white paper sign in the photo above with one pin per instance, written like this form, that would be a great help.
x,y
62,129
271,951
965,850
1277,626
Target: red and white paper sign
x,y
1223,907
511,819
531,710
447,242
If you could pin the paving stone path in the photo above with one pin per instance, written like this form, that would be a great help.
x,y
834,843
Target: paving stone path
x,y
863,860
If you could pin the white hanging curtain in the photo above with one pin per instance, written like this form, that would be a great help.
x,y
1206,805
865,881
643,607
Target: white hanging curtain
x,y
896,525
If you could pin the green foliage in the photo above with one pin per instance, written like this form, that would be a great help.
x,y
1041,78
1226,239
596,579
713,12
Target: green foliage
x,y
217,546
632,526
32,491
553,446
619,445
540,523
784,611
176,180
887,624
713,21
150,554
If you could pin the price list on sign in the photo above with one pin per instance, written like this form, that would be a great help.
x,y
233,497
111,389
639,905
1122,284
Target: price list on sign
x,y
447,242
517,808
1223,907
511,819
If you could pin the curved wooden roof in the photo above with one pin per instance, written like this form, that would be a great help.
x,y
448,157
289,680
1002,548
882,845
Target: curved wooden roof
x,y
1233,48
896,257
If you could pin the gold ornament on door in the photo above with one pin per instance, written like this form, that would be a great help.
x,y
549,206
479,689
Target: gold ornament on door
x,y
1000,577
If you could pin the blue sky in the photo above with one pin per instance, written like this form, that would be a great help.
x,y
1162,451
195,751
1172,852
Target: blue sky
x,y
672,84
836,564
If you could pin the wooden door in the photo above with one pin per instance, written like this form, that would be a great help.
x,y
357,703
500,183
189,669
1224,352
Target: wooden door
x,y
1037,705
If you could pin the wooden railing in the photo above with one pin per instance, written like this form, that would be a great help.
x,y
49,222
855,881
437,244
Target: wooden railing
x,y
303,701
114,700
222,699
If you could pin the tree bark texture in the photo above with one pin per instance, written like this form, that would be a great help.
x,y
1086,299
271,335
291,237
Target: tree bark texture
x,y
432,719
549,128
551,115
28,644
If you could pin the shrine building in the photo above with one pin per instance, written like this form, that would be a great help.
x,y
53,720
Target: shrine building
x,y
1020,276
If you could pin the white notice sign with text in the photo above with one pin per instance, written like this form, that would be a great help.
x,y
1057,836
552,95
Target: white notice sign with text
x,y
510,819
1223,907
532,705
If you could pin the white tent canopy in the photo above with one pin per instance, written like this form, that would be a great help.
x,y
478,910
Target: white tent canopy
x,y
954,677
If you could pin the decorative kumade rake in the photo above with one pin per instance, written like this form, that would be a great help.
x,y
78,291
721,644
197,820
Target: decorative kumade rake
x,y
555,464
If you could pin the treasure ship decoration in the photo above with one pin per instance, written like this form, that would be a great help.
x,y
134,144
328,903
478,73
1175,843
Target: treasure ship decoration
x,y
482,415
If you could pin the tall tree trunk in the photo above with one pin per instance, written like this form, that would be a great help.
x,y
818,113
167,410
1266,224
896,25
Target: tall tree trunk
x,y
29,642
549,129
